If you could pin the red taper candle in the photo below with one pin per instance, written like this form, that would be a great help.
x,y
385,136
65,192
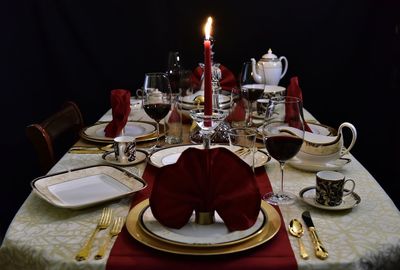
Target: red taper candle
x,y
207,70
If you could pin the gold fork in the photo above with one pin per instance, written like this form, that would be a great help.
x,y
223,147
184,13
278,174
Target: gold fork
x,y
103,223
115,230
242,151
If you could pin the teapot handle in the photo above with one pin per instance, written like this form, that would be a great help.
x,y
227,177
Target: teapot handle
x,y
353,139
286,65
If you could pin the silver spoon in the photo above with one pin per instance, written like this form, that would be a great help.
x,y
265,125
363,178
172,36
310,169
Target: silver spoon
x,y
296,229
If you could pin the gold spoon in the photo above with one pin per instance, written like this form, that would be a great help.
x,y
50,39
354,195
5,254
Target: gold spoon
x,y
296,229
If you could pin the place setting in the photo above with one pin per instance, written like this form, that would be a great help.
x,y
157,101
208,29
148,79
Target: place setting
x,y
119,125
201,226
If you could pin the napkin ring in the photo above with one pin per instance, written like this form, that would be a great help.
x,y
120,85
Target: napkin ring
x,y
204,218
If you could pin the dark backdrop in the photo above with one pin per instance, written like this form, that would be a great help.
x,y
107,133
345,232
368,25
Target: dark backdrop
x,y
346,54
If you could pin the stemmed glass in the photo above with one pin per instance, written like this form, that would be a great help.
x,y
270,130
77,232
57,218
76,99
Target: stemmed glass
x,y
283,134
156,99
250,90
207,123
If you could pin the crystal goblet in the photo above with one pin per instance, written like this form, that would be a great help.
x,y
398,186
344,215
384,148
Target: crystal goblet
x,y
207,123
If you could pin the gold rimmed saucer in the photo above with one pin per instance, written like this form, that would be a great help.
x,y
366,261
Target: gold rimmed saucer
x,y
109,157
268,230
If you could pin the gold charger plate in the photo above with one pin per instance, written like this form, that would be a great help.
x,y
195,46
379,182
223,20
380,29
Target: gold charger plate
x,y
266,233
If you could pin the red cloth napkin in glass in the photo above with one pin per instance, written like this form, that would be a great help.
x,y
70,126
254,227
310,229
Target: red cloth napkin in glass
x,y
294,90
238,112
227,82
206,180
121,107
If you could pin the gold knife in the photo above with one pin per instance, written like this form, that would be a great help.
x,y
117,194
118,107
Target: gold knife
x,y
319,249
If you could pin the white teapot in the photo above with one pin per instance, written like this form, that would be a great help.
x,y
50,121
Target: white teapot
x,y
269,69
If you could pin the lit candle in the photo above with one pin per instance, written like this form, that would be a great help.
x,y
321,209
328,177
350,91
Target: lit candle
x,y
207,69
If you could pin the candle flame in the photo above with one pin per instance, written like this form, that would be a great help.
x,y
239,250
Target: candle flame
x,y
207,28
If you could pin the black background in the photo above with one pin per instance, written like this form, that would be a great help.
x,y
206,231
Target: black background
x,y
345,53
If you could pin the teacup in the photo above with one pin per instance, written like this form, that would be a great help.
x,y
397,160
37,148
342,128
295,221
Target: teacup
x,y
262,104
325,144
330,188
273,91
125,149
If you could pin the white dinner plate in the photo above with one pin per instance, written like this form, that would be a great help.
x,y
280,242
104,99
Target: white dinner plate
x,y
87,186
141,234
272,89
315,167
134,129
109,157
170,155
308,196
193,234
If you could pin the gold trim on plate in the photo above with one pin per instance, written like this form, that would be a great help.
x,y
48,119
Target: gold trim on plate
x,y
141,138
266,233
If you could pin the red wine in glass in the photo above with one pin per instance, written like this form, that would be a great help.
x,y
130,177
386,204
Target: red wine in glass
x,y
157,111
156,100
252,92
283,114
282,147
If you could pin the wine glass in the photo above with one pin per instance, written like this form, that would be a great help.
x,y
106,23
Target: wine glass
x,y
156,99
283,134
207,123
250,90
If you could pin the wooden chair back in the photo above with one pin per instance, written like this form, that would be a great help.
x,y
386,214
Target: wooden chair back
x,y
55,135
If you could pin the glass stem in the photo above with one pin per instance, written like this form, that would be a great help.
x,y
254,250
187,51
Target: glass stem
x,y
282,165
206,141
158,134
250,119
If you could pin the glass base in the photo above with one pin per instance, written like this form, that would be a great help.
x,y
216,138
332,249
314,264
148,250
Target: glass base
x,y
280,198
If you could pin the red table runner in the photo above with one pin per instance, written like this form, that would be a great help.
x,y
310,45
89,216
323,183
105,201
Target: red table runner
x,y
127,253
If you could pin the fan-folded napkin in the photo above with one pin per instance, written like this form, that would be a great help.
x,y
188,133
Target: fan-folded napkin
x,y
121,107
227,81
294,90
204,181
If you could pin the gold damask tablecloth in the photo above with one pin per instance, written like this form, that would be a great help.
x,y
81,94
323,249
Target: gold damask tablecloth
x,y
42,236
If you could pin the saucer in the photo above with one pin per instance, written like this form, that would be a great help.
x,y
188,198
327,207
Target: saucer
x,y
140,156
315,167
308,196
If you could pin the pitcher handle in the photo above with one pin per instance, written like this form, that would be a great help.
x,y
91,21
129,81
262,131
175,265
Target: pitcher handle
x,y
286,65
353,139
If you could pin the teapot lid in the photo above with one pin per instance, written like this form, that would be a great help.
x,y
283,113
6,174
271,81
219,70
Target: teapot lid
x,y
269,55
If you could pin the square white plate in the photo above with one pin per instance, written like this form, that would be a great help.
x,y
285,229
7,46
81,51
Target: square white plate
x,y
86,186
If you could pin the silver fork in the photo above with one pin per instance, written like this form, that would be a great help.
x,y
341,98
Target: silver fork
x,y
103,223
114,231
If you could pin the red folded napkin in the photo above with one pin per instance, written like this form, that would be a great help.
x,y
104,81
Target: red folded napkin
x,y
294,90
238,112
227,82
206,180
121,107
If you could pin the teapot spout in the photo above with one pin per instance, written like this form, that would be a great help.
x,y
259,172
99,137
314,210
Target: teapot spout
x,y
257,77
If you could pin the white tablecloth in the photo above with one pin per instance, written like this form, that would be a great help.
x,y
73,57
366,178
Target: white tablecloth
x,y
42,236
